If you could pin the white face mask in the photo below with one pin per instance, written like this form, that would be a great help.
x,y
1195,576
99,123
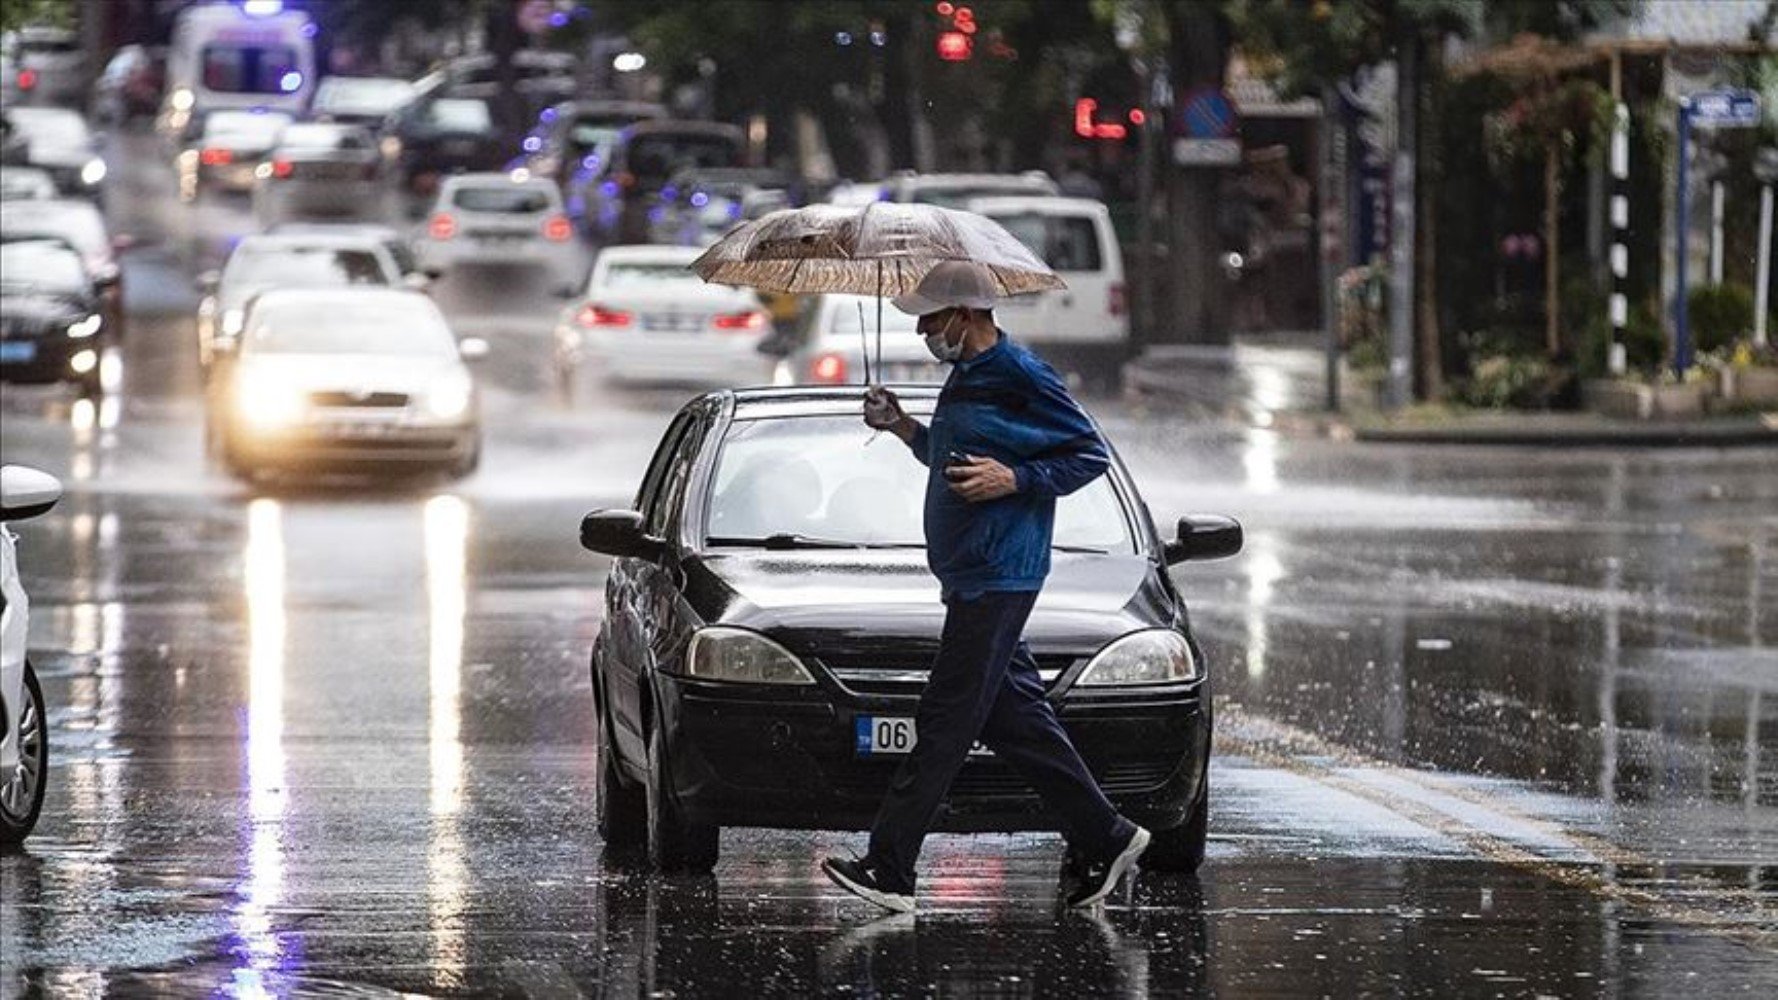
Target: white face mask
x,y
942,349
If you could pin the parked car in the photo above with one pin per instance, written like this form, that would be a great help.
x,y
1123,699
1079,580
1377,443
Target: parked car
x,y
835,335
614,195
499,219
955,190
57,140
360,100
24,715
79,224
228,152
645,317
1084,328
319,169
434,137
347,377
569,133
263,263
52,326
769,620
49,66
131,84
696,208
26,184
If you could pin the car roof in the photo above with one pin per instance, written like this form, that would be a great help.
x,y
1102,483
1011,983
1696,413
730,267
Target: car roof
x,y
1057,204
354,230
650,253
679,126
489,178
299,241
345,297
813,400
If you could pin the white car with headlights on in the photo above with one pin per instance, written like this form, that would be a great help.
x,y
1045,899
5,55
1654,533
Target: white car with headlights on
x,y
645,317
287,260
365,379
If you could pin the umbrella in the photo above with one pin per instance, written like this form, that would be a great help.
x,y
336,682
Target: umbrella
x,y
884,248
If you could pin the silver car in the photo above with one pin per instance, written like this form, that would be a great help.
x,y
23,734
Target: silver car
x,y
263,263
319,168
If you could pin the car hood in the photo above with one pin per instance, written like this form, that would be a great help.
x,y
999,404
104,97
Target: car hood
x,y
356,372
46,154
824,602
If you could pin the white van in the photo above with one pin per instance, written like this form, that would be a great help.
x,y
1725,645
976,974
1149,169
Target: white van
x,y
1084,328
231,56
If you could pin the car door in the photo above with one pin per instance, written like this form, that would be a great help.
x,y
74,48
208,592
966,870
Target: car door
x,y
626,654
658,585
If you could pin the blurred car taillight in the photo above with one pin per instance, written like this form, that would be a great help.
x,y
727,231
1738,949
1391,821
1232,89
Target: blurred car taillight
x,y
27,79
829,369
282,168
215,157
1114,299
442,227
591,315
751,320
557,229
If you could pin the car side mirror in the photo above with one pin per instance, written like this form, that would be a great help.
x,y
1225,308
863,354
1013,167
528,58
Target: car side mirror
x,y
1204,536
472,348
619,533
207,281
26,492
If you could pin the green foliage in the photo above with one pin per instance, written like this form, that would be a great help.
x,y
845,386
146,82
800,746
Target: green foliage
x,y
1506,381
1719,314
1645,344
1308,44
15,14
1558,118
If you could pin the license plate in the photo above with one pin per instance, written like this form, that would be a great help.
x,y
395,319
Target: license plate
x,y
358,432
672,324
18,351
889,736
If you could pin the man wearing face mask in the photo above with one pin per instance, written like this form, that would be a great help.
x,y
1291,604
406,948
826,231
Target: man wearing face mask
x,y
1006,439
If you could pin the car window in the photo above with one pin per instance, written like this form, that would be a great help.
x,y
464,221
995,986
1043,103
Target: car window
x,y
510,199
458,115
251,69
820,476
667,509
327,325
641,274
658,157
1065,242
300,265
657,466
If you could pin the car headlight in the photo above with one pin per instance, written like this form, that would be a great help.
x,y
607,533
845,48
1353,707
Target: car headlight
x,y
448,398
92,172
390,147
1152,656
182,99
82,329
232,321
720,653
267,402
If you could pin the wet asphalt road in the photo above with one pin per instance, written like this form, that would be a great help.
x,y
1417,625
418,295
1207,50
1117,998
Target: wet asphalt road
x,y
1491,722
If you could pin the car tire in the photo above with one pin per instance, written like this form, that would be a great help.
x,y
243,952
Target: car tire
x,y
674,843
1181,848
19,809
622,810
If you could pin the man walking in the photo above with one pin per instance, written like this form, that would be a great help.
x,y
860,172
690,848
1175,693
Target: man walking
x,y
1006,439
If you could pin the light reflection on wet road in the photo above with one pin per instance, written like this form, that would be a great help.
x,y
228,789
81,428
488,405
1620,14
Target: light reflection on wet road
x,y
1490,723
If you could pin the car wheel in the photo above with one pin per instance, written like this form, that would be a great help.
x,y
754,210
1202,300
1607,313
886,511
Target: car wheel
x,y
1181,849
21,792
623,811
674,844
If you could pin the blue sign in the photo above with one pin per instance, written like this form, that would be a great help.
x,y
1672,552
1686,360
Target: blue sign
x,y
1208,114
1724,109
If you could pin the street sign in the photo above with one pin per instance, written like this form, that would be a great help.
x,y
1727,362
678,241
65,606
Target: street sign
x,y
1207,113
1724,109
1207,152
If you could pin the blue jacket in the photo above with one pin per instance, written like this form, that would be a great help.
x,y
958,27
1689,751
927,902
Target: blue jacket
x,y
1009,405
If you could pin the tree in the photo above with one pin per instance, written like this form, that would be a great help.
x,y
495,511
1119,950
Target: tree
x,y
15,14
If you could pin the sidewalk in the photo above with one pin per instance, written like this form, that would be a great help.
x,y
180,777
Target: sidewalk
x,y
1280,382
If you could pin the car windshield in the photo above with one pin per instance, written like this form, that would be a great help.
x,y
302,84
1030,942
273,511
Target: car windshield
x,y
79,224
823,478
322,137
1065,242
327,324
299,265
453,114
362,95
505,199
43,267
251,69
633,274
660,156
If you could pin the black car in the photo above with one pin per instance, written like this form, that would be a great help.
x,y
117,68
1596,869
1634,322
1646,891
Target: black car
x,y
434,136
52,325
769,621
572,136
612,199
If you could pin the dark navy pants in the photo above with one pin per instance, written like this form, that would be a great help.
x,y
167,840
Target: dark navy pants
x,y
984,685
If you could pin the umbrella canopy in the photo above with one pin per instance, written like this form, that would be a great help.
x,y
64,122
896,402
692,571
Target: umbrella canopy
x,y
884,248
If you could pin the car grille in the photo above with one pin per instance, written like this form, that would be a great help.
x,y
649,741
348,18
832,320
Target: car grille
x,y
28,327
373,400
993,779
897,675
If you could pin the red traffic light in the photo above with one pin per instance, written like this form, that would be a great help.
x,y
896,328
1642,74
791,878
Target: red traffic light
x,y
1087,128
954,46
